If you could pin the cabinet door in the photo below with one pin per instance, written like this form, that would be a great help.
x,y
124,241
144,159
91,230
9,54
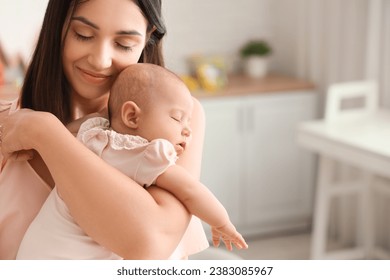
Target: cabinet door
x,y
222,153
278,174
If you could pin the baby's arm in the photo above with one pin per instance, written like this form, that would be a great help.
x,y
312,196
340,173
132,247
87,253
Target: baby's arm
x,y
199,200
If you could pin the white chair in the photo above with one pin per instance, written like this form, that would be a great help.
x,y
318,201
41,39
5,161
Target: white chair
x,y
368,90
329,188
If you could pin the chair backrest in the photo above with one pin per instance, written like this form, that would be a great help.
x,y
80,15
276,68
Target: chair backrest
x,y
339,92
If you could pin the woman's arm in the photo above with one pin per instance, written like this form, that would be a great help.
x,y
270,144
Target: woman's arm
x,y
4,111
110,207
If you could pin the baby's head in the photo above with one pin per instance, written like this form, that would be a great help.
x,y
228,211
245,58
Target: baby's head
x,y
152,102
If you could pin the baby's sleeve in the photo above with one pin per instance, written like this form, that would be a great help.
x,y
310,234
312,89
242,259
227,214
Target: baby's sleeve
x,y
158,157
93,134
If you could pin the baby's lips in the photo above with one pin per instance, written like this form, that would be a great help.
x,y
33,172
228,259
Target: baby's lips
x,y
180,148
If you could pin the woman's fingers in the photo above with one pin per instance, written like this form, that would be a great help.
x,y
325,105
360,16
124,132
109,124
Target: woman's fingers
x,y
22,155
14,142
1,134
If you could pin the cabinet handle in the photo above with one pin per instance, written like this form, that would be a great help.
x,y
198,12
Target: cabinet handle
x,y
241,120
246,119
250,120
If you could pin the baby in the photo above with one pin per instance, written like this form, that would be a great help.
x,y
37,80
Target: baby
x,y
149,128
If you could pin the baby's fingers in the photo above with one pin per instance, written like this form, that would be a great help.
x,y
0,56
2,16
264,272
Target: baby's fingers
x,y
216,242
240,244
228,244
216,236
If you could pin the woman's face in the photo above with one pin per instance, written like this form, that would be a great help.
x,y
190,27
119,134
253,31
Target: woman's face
x,y
104,37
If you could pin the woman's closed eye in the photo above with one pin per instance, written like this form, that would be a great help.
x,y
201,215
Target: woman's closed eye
x,y
123,47
127,43
85,38
82,37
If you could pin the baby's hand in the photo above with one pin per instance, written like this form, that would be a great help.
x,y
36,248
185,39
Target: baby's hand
x,y
229,235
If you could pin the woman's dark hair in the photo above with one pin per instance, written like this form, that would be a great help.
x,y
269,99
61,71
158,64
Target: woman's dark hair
x,y
152,52
45,87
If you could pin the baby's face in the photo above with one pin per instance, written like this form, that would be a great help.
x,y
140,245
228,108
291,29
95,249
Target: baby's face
x,y
169,118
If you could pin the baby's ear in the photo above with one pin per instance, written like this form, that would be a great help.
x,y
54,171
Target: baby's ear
x,y
130,114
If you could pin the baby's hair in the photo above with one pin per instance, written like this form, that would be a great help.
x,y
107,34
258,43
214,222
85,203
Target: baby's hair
x,y
138,83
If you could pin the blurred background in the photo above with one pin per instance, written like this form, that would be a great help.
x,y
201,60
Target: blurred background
x,y
322,41
251,160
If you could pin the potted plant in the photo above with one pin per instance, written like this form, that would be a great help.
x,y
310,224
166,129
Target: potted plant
x,y
255,54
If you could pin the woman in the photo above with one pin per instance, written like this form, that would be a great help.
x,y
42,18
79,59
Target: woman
x,y
82,47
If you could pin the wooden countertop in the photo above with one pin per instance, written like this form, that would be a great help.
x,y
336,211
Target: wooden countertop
x,y
238,85
243,85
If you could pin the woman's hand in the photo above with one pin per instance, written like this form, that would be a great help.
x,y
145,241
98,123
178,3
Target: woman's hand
x,y
16,130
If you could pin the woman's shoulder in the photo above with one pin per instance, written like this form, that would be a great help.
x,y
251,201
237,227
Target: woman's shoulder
x,y
198,108
198,119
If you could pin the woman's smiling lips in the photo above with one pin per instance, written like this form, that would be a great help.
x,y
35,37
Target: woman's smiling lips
x,y
94,78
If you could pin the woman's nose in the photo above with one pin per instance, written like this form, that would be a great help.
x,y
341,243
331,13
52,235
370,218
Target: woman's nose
x,y
100,57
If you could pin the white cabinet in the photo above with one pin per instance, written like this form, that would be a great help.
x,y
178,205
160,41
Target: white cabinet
x,y
252,162
222,153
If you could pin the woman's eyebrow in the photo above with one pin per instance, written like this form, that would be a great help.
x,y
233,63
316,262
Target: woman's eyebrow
x,y
129,32
88,22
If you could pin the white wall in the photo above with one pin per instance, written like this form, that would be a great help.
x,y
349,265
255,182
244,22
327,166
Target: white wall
x,y
20,21
194,27
285,20
212,27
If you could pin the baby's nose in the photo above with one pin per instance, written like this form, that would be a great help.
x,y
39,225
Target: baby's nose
x,y
186,132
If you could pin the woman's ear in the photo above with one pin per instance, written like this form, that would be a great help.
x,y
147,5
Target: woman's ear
x,y
130,114
149,34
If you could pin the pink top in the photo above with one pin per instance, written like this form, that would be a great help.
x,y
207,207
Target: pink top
x,y
22,193
54,234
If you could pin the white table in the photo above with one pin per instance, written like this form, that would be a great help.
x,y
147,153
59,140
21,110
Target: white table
x,y
362,142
